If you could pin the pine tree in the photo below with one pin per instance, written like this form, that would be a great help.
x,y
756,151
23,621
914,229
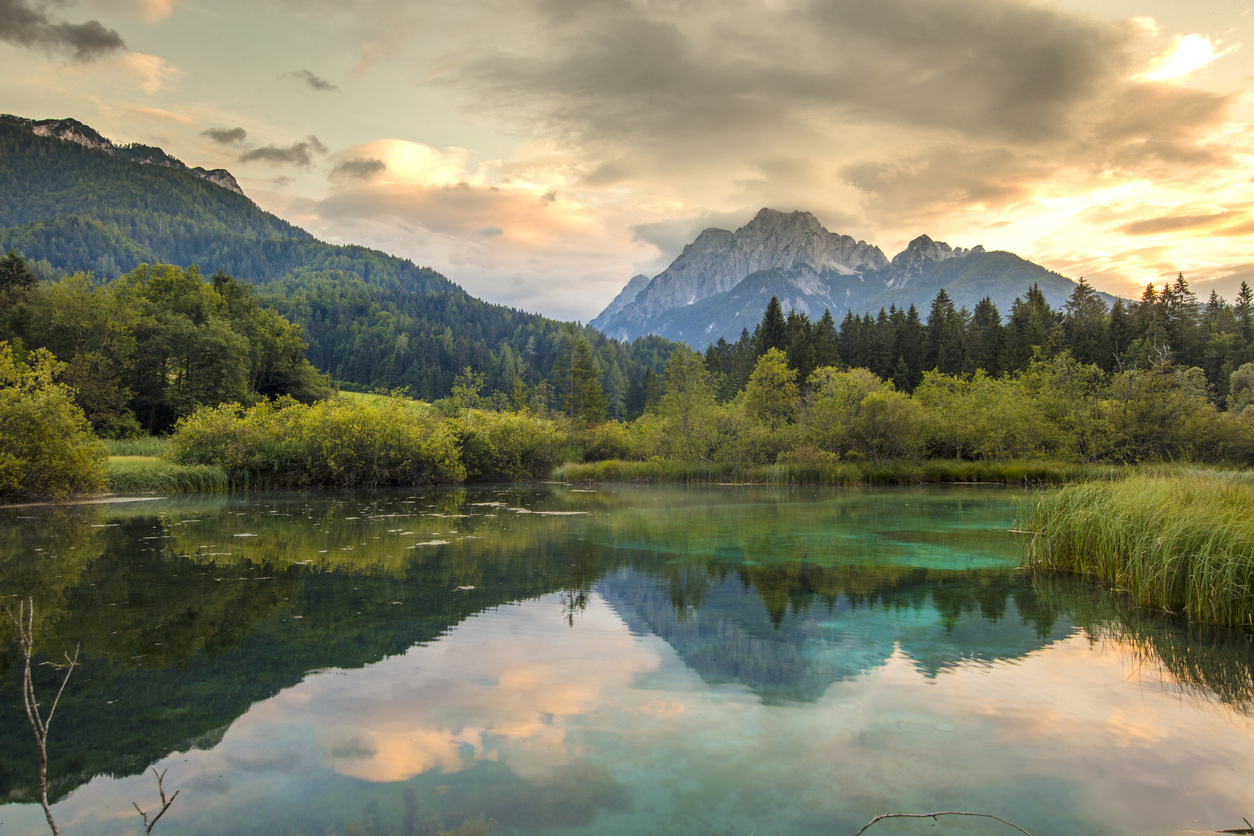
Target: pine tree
x,y
1086,327
985,338
15,275
945,339
773,330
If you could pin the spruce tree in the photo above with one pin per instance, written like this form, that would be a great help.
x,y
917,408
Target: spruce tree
x,y
773,331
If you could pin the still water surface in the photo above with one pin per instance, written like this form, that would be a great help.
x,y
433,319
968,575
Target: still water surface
x,y
612,661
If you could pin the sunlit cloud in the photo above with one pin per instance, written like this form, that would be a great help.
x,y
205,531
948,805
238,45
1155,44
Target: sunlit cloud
x,y
1186,54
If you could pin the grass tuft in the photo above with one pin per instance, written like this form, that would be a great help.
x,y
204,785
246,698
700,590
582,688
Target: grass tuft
x,y
1183,543
144,445
146,474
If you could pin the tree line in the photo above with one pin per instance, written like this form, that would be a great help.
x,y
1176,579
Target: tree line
x,y
1167,325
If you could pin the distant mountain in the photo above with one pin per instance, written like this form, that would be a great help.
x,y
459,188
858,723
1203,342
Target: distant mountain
x,y
73,201
718,260
722,281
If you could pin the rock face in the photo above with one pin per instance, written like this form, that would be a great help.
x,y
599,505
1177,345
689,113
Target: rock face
x,y
718,260
722,281
624,298
71,130
912,261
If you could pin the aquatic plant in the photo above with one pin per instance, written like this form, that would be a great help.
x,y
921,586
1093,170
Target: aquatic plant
x,y
143,445
1183,542
146,474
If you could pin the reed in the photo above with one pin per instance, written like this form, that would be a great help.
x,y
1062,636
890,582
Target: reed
x,y
144,445
1176,540
147,474
938,471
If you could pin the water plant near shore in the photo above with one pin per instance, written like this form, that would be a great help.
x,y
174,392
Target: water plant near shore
x,y
1182,543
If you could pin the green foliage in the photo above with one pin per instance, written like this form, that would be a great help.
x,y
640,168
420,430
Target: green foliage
x,y
46,445
333,443
145,474
687,400
365,442
160,342
772,394
1180,543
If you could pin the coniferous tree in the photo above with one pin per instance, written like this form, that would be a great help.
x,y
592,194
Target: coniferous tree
x,y
825,341
1033,328
773,330
15,275
945,339
985,338
1086,327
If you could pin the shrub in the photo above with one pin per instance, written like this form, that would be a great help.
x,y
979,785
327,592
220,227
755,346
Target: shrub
x,y
47,448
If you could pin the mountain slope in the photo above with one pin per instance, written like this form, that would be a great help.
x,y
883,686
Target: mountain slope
x,y
718,260
855,277
73,199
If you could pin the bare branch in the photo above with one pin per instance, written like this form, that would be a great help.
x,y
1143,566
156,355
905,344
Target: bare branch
x,y
165,803
883,816
38,723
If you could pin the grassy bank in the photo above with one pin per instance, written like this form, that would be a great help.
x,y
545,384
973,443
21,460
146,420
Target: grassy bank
x,y
938,471
1183,543
144,445
147,474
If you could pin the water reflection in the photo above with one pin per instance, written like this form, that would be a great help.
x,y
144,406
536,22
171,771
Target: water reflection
x,y
633,660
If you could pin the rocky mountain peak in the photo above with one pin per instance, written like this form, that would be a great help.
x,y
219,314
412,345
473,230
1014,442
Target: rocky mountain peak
x,y
72,130
719,259
910,262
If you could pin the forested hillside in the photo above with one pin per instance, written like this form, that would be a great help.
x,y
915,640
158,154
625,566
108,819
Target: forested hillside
x,y
372,320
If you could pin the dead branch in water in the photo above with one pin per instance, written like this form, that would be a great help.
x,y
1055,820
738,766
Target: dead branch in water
x,y
883,816
38,723
165,804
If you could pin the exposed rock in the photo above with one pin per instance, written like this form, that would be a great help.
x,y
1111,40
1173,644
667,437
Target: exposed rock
x,y
624,298
910,262
718,260
71,130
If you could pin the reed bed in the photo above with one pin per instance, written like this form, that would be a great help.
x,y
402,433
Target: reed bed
x,y
838,473
147,474
144,445
1179,541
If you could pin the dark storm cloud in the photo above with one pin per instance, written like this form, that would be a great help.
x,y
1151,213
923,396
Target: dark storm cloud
x,y
225,136
299,153
314,82
24,26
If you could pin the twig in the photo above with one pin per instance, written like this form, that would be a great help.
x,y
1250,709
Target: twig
x,y
1249,828
165,804
883,816
38,723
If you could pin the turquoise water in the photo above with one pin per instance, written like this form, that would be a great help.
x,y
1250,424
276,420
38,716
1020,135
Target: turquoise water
x,y
613,661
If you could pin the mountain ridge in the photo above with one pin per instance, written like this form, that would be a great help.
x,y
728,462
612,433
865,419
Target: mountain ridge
x,y
72,130
705,294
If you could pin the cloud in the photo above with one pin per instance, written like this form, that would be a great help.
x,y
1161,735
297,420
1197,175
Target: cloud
x,y
298,153
488,232
27,26
359,168
1173,223
314,82
151,72
225,136
1186,54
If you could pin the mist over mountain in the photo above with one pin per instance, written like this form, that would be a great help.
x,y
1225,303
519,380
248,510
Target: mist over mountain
x,y
722,281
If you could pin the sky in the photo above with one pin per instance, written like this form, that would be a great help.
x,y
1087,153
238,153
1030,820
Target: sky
x,y
542,152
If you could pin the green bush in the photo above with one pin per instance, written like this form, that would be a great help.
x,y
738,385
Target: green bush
x,y
47,448
334,443
506,446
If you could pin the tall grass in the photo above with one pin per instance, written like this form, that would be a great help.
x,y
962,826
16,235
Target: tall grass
x,y
1182,542
144,445
837,473
144,474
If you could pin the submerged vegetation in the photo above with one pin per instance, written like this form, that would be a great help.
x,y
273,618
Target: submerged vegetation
x,y
1183,543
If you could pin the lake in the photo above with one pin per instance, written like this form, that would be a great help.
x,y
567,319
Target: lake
x,y
609,660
